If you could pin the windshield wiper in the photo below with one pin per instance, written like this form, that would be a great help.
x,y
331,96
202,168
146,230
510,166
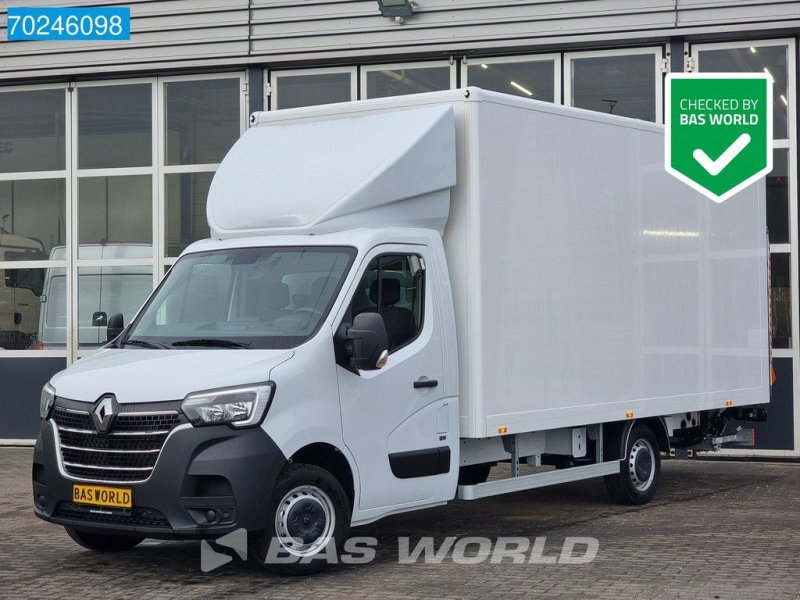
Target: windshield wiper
x,y
143,344
211,343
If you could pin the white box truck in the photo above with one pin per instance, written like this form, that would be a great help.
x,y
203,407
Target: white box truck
x,y
397,295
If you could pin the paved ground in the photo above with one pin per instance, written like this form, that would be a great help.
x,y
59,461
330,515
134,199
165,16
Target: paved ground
x,y
716,530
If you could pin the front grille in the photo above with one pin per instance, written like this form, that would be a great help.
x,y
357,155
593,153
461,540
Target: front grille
x,y
144,517
127,453
72,419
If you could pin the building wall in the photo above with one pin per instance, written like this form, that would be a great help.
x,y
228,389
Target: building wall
x,y
199,66
196,33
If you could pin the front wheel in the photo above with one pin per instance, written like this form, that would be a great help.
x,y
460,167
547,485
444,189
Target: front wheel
x,y
637,481
101,542
307,522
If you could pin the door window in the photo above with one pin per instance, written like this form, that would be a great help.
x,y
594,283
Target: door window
x,y
393,286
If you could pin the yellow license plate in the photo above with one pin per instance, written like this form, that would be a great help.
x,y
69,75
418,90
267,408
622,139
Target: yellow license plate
x,y
100,495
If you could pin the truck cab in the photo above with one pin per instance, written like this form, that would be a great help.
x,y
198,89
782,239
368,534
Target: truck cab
x,y
20,290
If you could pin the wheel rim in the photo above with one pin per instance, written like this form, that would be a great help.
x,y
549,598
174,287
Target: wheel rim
x,y
642,464
304,520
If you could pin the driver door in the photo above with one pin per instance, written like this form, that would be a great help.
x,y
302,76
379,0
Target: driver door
x,y
395,420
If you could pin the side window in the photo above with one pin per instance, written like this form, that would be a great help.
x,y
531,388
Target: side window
x,y
393,286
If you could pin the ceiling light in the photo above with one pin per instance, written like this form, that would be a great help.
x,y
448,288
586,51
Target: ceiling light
x,y
771,78
784,100
753,50
484,66
671,234
521,89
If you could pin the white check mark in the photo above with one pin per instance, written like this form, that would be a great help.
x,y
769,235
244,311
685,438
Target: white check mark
x,y
714,167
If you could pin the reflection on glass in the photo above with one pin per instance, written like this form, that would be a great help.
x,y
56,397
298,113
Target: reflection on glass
x,y
115,126
32,131
243,297
32,218
20,294
755,59
623,85
114,210
780,304
778,198
186,195
53,316
202,120
313,89
104,291
399,82
529,79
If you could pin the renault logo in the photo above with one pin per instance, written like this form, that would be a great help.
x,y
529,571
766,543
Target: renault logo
x,y
104,413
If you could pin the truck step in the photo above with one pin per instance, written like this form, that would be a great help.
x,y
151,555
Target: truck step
x,y
536,480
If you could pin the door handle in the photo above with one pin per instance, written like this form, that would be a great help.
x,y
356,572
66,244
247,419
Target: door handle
x,y
425,383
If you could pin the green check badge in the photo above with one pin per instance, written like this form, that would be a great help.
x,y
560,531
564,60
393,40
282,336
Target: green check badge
x,y
718,130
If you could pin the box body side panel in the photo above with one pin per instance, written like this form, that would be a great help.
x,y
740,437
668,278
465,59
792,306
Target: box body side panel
x,y
592,283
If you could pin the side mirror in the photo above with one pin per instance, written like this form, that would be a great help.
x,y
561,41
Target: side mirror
x,y
115,326
370,342
17,318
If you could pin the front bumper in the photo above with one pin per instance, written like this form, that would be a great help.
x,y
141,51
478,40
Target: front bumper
x,y
200,470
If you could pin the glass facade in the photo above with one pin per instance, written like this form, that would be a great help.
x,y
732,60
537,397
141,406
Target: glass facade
x,y
303,88
32,218
115,126
203,119
773,59
756,59
114,210
103,184
100,188
33,129
620,84
536,78
399,80
185,195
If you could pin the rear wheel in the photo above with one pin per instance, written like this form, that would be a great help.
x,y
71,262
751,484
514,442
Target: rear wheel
x,y
102,542
307,522
637,481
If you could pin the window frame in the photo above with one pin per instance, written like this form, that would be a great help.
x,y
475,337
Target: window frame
x,y
504,60
274,76
421,296
658,53
404,65
62,174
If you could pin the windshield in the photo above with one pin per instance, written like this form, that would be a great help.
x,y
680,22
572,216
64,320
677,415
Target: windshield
x,y
242,298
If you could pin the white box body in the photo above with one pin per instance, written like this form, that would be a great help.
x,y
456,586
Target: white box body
x,y
588,284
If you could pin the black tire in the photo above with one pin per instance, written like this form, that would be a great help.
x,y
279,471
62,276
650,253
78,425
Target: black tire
x,y
640,469
102,542
474,474
304,501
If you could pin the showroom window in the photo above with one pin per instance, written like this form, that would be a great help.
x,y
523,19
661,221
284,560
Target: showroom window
x,y
308,87
203,119
771,57
113,208
536,77
620,82
407,78
102,185
34,220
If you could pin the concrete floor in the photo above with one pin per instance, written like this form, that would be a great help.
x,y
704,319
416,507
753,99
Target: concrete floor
x,y
715,530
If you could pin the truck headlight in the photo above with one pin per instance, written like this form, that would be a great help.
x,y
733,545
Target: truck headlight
x,y
240,406
46,400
